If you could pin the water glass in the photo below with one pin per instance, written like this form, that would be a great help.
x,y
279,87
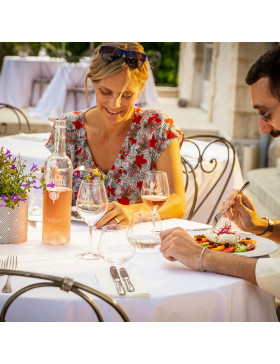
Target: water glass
x,y
114,247
144,231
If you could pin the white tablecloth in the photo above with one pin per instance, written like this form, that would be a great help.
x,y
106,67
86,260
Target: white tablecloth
x,y
176,292
17,75
55,101
31,147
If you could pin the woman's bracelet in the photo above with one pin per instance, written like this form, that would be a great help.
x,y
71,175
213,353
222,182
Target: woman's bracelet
x,y
200,259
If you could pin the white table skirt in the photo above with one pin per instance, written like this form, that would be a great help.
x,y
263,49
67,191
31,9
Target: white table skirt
x,y
17,75
31,147
55,100
176,292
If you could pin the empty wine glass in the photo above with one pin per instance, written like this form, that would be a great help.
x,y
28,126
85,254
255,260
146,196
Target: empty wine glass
x,y
91,205
142,233
114,247
155,191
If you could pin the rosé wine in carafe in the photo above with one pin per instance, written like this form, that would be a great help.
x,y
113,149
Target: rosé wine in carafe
x,y
57,198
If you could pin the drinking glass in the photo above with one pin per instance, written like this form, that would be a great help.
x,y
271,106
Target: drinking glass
x,y
155,191
141,230
114,247
91,205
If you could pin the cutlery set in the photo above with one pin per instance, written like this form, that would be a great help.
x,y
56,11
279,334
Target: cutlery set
x,y
10,263
116,278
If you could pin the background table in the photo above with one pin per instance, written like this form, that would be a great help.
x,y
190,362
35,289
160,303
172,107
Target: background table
x,y
176,292
17,75
31,147
56,101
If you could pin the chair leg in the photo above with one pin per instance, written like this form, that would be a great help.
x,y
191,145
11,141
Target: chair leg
x,y
75,100
32,94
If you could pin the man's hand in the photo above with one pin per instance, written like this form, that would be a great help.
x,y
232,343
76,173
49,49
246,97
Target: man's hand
x,y
177,244
243,213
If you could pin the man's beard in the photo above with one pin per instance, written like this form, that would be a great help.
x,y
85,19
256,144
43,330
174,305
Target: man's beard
x,y
275,133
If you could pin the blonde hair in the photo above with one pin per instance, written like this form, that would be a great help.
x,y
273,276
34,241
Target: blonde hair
x,y
98,69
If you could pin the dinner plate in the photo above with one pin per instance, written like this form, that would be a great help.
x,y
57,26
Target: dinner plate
x,y
263,247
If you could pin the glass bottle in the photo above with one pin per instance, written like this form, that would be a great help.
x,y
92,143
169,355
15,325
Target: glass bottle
x,y
57,198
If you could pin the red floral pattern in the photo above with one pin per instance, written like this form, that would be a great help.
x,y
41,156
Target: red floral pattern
x,y
150,134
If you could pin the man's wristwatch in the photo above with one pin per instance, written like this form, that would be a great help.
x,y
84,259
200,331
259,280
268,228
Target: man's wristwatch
x,y
269,229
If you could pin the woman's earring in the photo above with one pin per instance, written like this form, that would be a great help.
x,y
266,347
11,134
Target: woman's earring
x,y
137,102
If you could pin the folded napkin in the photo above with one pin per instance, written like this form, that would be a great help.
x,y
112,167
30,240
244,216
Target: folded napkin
x,y
108,286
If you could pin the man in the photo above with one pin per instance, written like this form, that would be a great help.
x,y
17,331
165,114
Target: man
x,y
176,244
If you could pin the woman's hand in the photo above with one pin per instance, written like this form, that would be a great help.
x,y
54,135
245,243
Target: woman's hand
x,y
243,212
123,213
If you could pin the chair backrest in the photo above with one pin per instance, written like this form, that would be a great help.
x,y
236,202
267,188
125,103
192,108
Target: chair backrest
x,y
19,115
64,283
200,160
154,58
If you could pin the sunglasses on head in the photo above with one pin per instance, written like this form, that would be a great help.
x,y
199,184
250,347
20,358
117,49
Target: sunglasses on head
x,y
132,58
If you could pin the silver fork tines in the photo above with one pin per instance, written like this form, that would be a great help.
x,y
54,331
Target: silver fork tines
x,y
220,214
10,263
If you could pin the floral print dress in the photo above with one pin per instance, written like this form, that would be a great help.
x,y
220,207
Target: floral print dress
x,y
150,133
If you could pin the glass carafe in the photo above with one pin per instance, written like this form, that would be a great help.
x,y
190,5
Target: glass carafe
x,y
57,198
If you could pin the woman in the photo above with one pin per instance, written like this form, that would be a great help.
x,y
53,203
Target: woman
x,y
121,141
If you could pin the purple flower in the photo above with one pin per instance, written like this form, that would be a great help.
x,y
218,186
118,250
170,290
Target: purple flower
x,y
15,197
1,205
51,185
34,167
8,153
3,197
22,199
25,185
13,167
37,188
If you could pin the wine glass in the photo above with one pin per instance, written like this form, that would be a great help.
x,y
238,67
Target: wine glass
x,y
91,205
114,246
142,233
155,191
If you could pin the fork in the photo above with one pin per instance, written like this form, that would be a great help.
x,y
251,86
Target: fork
x,y
10,263
220,214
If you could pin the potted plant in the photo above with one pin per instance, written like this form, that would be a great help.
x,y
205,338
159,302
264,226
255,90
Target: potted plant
x,y
15,186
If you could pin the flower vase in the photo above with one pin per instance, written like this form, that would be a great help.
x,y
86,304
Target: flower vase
x,y
14,224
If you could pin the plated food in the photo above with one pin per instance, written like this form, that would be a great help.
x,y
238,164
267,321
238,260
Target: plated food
x,y
225,239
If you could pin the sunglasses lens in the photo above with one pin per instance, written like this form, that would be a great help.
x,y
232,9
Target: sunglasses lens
x,y
135,59
110,54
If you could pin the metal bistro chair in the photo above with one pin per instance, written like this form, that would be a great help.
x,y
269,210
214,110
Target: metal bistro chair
x,y
64,283
19,114
190,170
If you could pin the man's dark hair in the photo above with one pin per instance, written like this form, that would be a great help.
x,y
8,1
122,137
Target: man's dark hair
x,y
268,65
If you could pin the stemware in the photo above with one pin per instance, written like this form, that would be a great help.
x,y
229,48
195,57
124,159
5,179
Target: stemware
x,y
114,247
155,191
91,205
142,233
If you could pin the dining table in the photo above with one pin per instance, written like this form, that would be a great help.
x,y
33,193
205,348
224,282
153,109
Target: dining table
x,y
57,99
18,73
165,291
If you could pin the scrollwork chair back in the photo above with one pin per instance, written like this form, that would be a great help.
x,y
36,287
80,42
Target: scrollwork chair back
x,y
64,283
19,114
192,165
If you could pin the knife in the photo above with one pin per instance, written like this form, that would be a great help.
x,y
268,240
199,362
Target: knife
x,y
115,275
127,280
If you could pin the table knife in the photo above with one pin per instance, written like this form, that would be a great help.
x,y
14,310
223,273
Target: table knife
x,y
115,275
127,280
